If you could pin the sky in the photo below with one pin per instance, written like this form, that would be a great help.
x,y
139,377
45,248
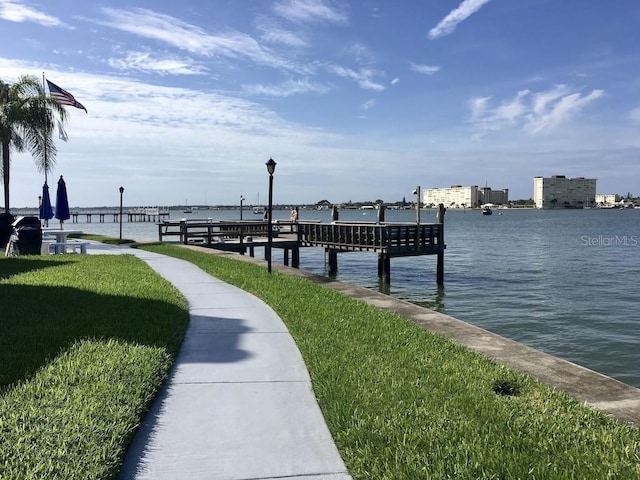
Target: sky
x,y
354,100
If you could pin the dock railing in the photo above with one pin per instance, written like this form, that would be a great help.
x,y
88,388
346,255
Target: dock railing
x,y
393,239
210,233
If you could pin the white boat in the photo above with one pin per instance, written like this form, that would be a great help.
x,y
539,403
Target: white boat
x,y
258,209
486,209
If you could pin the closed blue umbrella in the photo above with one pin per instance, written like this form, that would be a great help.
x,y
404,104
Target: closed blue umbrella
x,y
62,202
46,212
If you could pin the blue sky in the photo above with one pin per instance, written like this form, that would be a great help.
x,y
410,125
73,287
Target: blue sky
x,y
357,100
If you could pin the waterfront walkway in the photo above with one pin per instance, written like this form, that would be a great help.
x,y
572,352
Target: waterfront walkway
x,y
238,404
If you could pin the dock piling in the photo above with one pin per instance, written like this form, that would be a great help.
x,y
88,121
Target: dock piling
x,y
440,256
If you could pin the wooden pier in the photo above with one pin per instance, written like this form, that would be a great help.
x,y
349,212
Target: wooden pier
x,y
132,215
388,240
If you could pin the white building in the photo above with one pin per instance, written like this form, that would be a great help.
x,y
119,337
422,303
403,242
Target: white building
x,y
607,199
559,191
458,196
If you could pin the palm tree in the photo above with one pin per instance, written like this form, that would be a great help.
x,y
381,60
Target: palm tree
x,y
27,117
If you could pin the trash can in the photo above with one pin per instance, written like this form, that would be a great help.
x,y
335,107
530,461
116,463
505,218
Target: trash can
x,y
28,234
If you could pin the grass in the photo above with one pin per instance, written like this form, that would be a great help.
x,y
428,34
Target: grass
x,y
87,340
403,403
86,343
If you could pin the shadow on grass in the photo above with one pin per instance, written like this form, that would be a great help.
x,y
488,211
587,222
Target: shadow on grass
x,y
18,265
39,322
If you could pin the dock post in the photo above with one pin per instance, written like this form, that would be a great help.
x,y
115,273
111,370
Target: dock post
x,y
440,266
381,209
286,257
334,213
295,257
333,262
384,267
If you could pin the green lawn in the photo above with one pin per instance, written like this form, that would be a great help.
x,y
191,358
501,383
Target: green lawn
x,y
87,340
403,403
85,343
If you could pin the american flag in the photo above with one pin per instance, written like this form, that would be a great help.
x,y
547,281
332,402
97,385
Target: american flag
x,y
64,97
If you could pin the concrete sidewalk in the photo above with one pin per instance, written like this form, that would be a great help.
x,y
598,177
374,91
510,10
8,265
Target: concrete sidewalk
x,y
238,404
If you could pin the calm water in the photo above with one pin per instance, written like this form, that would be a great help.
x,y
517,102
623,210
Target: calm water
x,y
564,282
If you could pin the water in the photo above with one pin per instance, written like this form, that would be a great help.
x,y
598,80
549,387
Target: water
x,y
564,282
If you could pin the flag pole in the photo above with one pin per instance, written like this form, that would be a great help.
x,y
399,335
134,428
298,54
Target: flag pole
x,y
46,161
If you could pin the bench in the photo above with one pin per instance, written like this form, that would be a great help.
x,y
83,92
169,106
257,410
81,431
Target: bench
x,y
68,247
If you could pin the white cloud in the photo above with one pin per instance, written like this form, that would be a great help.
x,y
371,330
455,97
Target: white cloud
x,y
273,33
424,69
448,24
361,53
498,118
17,12
309,11
540,112
284,37
145,62
562,110
369,104
512,110
634,115
184,36
363,76
395,80
542,99
478,106
286,89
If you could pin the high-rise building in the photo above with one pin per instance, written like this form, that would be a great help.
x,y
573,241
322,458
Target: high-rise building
x,y
559,191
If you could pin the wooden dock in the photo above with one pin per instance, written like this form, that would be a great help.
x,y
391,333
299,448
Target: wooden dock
x,y
388,240
132,215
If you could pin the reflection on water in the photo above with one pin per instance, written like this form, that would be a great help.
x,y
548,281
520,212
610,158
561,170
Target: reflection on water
x,y
433,300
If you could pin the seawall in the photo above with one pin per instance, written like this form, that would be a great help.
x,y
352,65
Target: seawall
x,y
604,393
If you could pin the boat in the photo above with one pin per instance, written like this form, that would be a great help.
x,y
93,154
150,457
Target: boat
x,y
486,209
258,209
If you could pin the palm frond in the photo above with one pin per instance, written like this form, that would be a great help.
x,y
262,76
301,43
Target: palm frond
x,y
27,120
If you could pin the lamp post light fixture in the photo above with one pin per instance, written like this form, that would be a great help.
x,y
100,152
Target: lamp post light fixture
x,y
121,192
416,192
271,168
241,201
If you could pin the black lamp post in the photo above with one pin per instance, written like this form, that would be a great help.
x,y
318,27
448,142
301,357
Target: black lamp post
x,y
121,192
271,168
241,200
